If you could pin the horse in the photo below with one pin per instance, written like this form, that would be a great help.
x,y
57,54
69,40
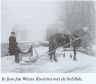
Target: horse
x,y
65,41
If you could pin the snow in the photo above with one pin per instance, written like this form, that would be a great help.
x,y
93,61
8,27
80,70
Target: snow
x,y
44,42
85,63
94,47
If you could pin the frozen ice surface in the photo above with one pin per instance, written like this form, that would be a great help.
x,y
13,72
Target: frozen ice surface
x,y
85,63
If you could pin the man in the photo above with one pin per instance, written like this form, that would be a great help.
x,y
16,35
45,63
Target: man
x,y
80,32
13,49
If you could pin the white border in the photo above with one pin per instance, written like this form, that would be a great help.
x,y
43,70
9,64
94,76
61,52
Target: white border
x,y
87,78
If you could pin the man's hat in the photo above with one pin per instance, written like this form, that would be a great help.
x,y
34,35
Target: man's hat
x,y
12,32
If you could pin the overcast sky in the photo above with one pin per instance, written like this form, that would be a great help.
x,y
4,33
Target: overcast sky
x,y
33,16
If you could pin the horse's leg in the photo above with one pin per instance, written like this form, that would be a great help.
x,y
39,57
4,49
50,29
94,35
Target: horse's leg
x,y
51,50
51,58
70,54
75,58
55,58
70,46
64,52
50,55
54,55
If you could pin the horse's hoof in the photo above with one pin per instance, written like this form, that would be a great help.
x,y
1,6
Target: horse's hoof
x,y
55,60
63,55
75,59
51,60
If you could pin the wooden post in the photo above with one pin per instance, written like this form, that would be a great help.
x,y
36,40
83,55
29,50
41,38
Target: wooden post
x,y
30,51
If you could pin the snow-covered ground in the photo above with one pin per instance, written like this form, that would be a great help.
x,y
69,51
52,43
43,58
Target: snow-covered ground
x,y
85,63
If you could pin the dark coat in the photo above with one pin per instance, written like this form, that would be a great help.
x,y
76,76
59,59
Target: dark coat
x,y
13,49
